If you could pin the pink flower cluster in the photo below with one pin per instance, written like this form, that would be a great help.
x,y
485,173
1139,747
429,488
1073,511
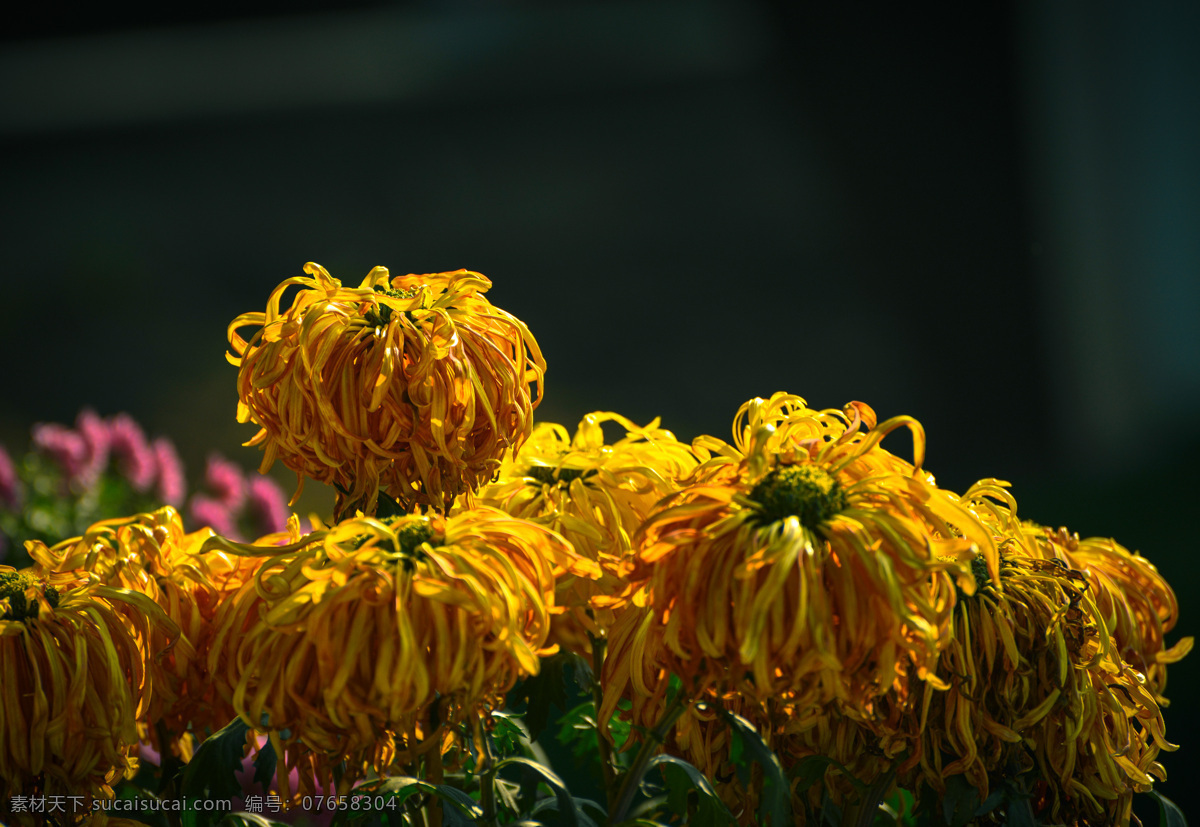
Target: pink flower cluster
x,y
11,492
10,484
230,494
153,468
83,454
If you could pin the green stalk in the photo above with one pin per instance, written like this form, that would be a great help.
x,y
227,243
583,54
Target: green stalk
x,y
599,645
486,768
862,814
434,771
633,777
169,768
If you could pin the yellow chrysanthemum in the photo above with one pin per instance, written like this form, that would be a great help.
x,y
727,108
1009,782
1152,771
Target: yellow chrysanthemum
x,y
1136,604
362,642
1034,685
152,554
74,657
804,559
414,384
793,733
597,496
792,728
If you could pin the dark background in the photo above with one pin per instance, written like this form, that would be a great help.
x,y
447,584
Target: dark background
x,y
987,219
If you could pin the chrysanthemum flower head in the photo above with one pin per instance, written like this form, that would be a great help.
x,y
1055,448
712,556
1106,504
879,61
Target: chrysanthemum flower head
x,y
1135,603
1037,690
596,495
415,385
350,639
74,655
803,559
151,554
793,727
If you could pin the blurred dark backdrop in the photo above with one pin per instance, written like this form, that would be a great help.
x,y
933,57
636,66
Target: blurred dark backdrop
x,y
985,218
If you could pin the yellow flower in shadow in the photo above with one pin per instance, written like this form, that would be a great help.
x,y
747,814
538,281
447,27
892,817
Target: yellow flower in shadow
x,y
414,384
792,727
1056,674
153,555
1037,692
367,642
75,657
1137,605
596,495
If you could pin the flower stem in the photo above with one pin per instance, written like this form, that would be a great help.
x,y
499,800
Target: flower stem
x,y
862,813
486,769
599,646
169,767
433,769
633,776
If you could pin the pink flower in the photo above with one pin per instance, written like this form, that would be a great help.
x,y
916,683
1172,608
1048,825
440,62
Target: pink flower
x,y
205,511
316,816
171,484
10,483
134,457
96,439
67,448
226,481
268,505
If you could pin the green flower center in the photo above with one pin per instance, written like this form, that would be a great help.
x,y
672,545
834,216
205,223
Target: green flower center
x,y
381,315
411,537
983,580
807,492
980,570
550,474
13,586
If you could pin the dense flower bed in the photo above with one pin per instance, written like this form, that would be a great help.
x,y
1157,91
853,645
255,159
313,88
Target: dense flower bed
x,y
795,626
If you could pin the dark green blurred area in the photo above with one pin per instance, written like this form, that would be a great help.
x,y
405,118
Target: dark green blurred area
x,y
987,219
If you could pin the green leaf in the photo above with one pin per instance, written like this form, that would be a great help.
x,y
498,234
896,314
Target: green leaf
x,y
553,805
621,728
901,805
548,690
210,773
388,507
572,817
127,791
1169,814
577,729
775,807
810,770
248,820
463,809
831,814
678,788
508,794
998,797
674,687
507,734
960,801
681,777
264,766
1019,812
